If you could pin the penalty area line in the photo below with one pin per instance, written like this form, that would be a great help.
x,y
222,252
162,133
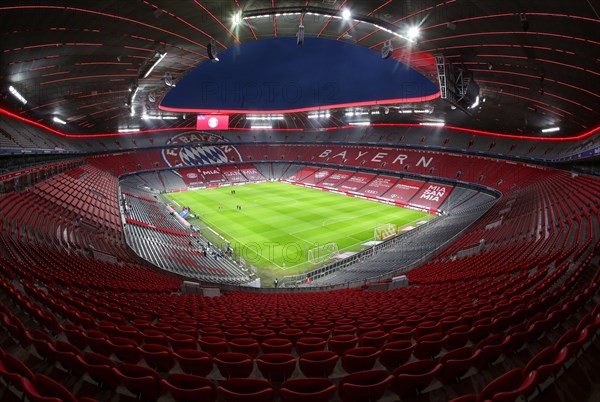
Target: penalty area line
x,y
179,205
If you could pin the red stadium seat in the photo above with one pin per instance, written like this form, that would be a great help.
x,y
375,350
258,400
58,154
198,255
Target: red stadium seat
x,y
75,336
44,345
158,357
182,341
277,345
234,365
13,370
125,349
187,387
318,364
262,334
318,332
141,381
248,346
309,344
98,342
503,383
414,377
428,346
344,330
393,354
401,333
276,366
307,390
340,343
154,336
45,389
99,368
213,345
194,361
373,338
246,390
369,326
66,355
359,359
234,333
525,387
364,385
456,363
293,334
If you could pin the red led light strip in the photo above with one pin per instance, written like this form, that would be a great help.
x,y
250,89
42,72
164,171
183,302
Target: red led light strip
x,y
85,77
305,109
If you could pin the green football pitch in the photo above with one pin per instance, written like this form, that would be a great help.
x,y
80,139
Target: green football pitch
x,y
279,223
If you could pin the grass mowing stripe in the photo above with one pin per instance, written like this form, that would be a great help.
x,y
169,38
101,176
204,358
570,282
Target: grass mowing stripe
x,y
279,218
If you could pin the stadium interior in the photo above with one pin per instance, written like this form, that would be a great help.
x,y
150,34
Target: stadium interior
x,y
483,116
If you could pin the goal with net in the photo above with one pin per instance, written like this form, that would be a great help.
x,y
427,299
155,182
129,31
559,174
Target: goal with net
x,y
322,253
384,232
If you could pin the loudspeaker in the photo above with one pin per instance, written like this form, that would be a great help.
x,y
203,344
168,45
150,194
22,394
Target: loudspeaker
x,y
168,80
300,38
387,50
212,53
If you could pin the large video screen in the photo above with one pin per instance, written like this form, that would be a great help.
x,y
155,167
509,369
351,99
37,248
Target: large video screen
x,y
212,122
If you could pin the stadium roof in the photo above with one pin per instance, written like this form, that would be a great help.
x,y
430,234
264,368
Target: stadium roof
x,y
536,61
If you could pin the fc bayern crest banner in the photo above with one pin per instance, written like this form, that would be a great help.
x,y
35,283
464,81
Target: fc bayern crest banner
x,y
212,122
199,149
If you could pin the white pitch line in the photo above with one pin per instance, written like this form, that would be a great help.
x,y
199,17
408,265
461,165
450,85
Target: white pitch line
x,y
175,202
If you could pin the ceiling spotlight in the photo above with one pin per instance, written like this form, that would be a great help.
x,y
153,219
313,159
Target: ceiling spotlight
x,y
551,130
159,57
58,120
237,18
261,126
134,94
212,52
17,95
413,32
346,14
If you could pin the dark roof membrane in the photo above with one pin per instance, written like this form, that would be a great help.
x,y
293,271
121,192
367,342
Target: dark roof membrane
x,y
276,75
